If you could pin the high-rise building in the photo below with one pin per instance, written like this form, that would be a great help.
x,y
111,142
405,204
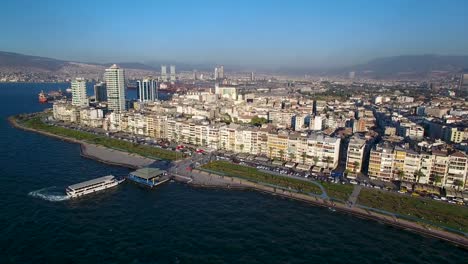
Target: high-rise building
x,y
147,90
252,76
115,81
100,92
163,73
78,87
221,72
173,73
215,73
352,75
464,82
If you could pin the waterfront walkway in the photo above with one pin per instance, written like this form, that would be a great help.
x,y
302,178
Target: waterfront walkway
x,y
353,197
114,157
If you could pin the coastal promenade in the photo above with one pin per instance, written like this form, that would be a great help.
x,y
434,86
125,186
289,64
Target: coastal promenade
x,y
200,178
95,152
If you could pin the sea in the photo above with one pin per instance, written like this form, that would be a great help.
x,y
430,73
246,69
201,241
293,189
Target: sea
x,y
173,223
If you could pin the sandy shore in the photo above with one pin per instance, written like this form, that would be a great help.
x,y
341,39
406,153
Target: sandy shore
x,y
210,180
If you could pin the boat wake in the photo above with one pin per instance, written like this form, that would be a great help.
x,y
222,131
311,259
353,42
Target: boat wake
x,y
51,194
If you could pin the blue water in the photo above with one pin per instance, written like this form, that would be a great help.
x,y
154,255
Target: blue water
x,y
172,224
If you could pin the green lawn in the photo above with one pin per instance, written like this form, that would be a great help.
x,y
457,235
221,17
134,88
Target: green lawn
x,y
146,151
334,190
440,213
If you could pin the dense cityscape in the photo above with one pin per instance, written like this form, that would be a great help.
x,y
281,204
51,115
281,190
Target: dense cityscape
x,y
414,133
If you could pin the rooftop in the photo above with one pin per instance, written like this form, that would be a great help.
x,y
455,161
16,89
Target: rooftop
x,y
147,173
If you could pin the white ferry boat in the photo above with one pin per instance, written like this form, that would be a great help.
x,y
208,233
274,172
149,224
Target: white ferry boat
x,y
92,186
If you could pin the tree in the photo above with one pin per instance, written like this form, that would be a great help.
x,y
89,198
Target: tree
x,y
224,145
174,136
271,152
292,156
241,146
400,174
196,140
327,160
258,121
204,142
281,153
316,159
437,179
356,165
304,156
417,175
458,183
182,137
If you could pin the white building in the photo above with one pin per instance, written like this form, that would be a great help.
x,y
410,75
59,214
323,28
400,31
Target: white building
x,y
78,87
147,90
115,80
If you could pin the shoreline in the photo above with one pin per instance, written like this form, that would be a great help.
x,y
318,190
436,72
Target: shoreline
x,y
238,184
231,183
84,149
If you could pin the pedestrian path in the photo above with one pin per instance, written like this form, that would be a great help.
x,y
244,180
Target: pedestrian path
x,y
354,195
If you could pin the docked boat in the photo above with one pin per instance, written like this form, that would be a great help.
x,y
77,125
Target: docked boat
x,y
150,177
92,186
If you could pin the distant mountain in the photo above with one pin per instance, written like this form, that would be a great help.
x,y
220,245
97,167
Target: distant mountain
x,y
20,61
410,65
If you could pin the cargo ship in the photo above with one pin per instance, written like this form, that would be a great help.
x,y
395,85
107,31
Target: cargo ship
x,y
42,97
51,96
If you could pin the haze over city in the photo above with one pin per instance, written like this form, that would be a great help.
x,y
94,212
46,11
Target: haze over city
x,y
262,34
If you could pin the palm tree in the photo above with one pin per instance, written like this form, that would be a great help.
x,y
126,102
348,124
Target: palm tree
x,y
437,179
281,153
271,151
327,160
174,136
400,174
356,165
417,175
241,146
316,159
292,156
458,183
304,156
204,142
224,145
182,137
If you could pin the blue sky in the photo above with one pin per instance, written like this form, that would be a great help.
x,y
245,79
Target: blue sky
x,y
254,32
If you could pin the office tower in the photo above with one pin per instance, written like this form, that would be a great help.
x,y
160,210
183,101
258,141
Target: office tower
x,y
464,82
215,73
78,87
100,92
147,90
252,76
352,75
173,74
195,75
115,81
163,73
221,72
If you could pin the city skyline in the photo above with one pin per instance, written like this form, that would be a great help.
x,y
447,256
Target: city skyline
x,y
260,34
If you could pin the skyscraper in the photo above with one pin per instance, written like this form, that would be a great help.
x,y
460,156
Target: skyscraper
x,y
163,73
352,75
216,73
147,90
464,82
115,81
173,74
100,92
78,87
252,76
221,72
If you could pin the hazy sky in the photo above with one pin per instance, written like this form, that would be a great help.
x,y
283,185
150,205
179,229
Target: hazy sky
x,y
250,32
